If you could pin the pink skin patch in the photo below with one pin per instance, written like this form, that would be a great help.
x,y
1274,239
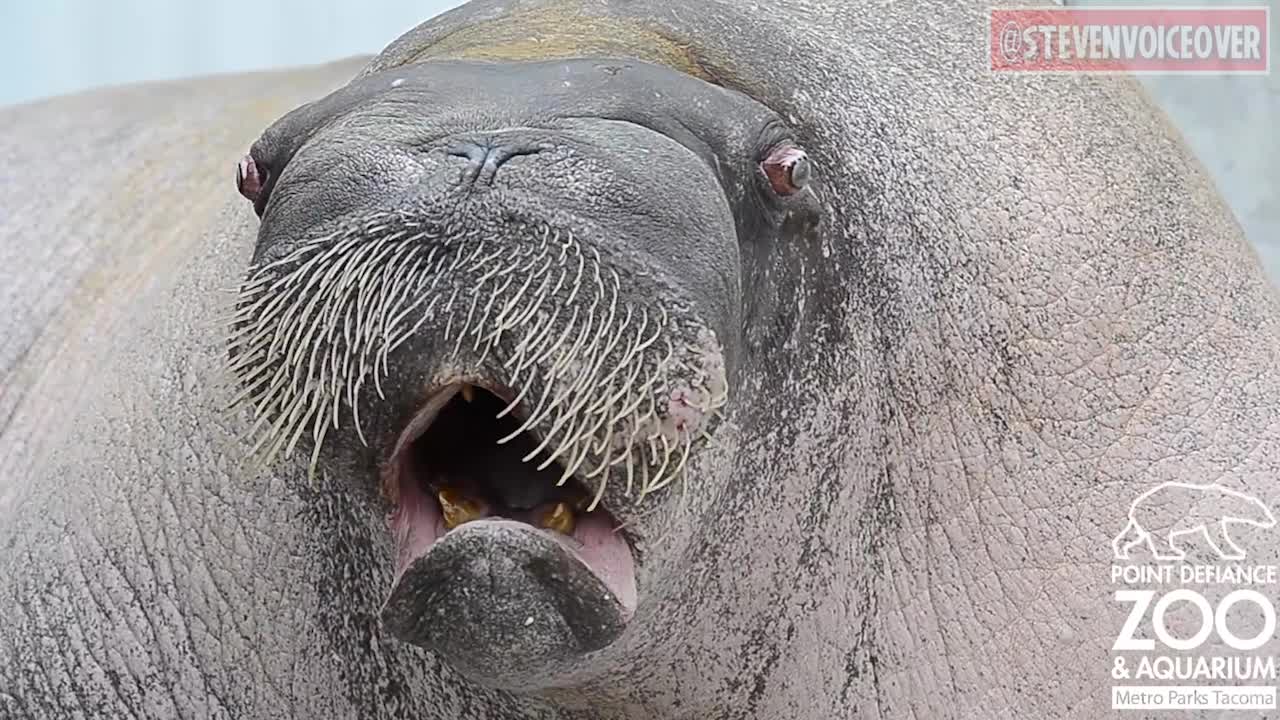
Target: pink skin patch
x,y
415,524
596,543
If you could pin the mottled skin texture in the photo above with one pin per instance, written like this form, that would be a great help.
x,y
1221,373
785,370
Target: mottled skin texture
x,y
1027,306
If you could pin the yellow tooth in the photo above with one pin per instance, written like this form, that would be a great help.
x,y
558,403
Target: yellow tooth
x,y
468,393
559,518
458,508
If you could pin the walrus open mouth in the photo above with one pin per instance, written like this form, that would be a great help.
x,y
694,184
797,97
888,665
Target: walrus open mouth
x,y
587,396
462,461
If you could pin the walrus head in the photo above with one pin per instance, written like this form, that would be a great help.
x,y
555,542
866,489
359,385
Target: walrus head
x,y
521,284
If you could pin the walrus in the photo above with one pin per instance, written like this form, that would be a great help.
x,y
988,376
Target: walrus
x,y
579,359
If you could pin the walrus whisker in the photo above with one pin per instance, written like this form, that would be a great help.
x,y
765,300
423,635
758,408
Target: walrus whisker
x,y
560,279
533,338
558,345
605,449
377,381
392,290
520,367
529,421
399,317
478,332
554,374
607,350
460,259
610,401
317,439
644,479
576,349
572,389
575,410
363,278
606,325
521,356
546,439
561,446
664,479
301,426
599,494
516,298
309,335
536,415
355,416
278,381
572,466
448,310
462,332
272,436
538,296
478,264
577,278
426,315
602,421
410,287
248,390
631,407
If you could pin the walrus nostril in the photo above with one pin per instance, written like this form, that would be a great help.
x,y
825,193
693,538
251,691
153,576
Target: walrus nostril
x,y
484,160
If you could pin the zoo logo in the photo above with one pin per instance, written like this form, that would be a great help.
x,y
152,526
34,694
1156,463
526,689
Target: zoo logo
x,y
1161,516
1211,620
1147,524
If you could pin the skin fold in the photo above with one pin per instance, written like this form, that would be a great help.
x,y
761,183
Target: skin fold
x,y
1023,304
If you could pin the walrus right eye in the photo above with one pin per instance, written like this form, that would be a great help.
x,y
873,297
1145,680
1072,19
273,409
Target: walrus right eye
x,y
787,168
251,179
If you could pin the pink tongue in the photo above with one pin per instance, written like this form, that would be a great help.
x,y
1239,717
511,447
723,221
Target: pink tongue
x,y
606,553
415,524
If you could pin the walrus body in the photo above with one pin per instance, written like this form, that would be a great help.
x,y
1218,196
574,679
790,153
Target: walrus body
x,y
902,404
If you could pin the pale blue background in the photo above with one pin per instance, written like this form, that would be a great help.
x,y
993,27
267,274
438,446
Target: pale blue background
x,y
49,47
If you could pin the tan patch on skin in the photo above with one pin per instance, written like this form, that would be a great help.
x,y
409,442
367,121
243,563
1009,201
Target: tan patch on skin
x,y
560,31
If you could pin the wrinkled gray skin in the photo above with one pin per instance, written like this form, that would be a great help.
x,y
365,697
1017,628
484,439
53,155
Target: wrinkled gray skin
x,y
1025,305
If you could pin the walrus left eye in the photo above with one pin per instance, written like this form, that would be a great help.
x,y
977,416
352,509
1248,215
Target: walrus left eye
x,y
787,168
250,178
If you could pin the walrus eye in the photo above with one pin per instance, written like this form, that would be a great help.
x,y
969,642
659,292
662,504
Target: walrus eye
x,y
250,179
787,168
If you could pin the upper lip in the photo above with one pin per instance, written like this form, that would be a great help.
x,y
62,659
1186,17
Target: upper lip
x,y
437,396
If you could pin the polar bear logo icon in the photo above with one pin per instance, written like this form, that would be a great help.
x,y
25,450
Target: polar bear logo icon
x,y
1173,509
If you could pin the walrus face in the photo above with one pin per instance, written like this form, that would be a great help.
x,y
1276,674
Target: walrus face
x,y
522,283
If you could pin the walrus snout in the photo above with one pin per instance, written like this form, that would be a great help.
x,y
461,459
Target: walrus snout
x,y
520,288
